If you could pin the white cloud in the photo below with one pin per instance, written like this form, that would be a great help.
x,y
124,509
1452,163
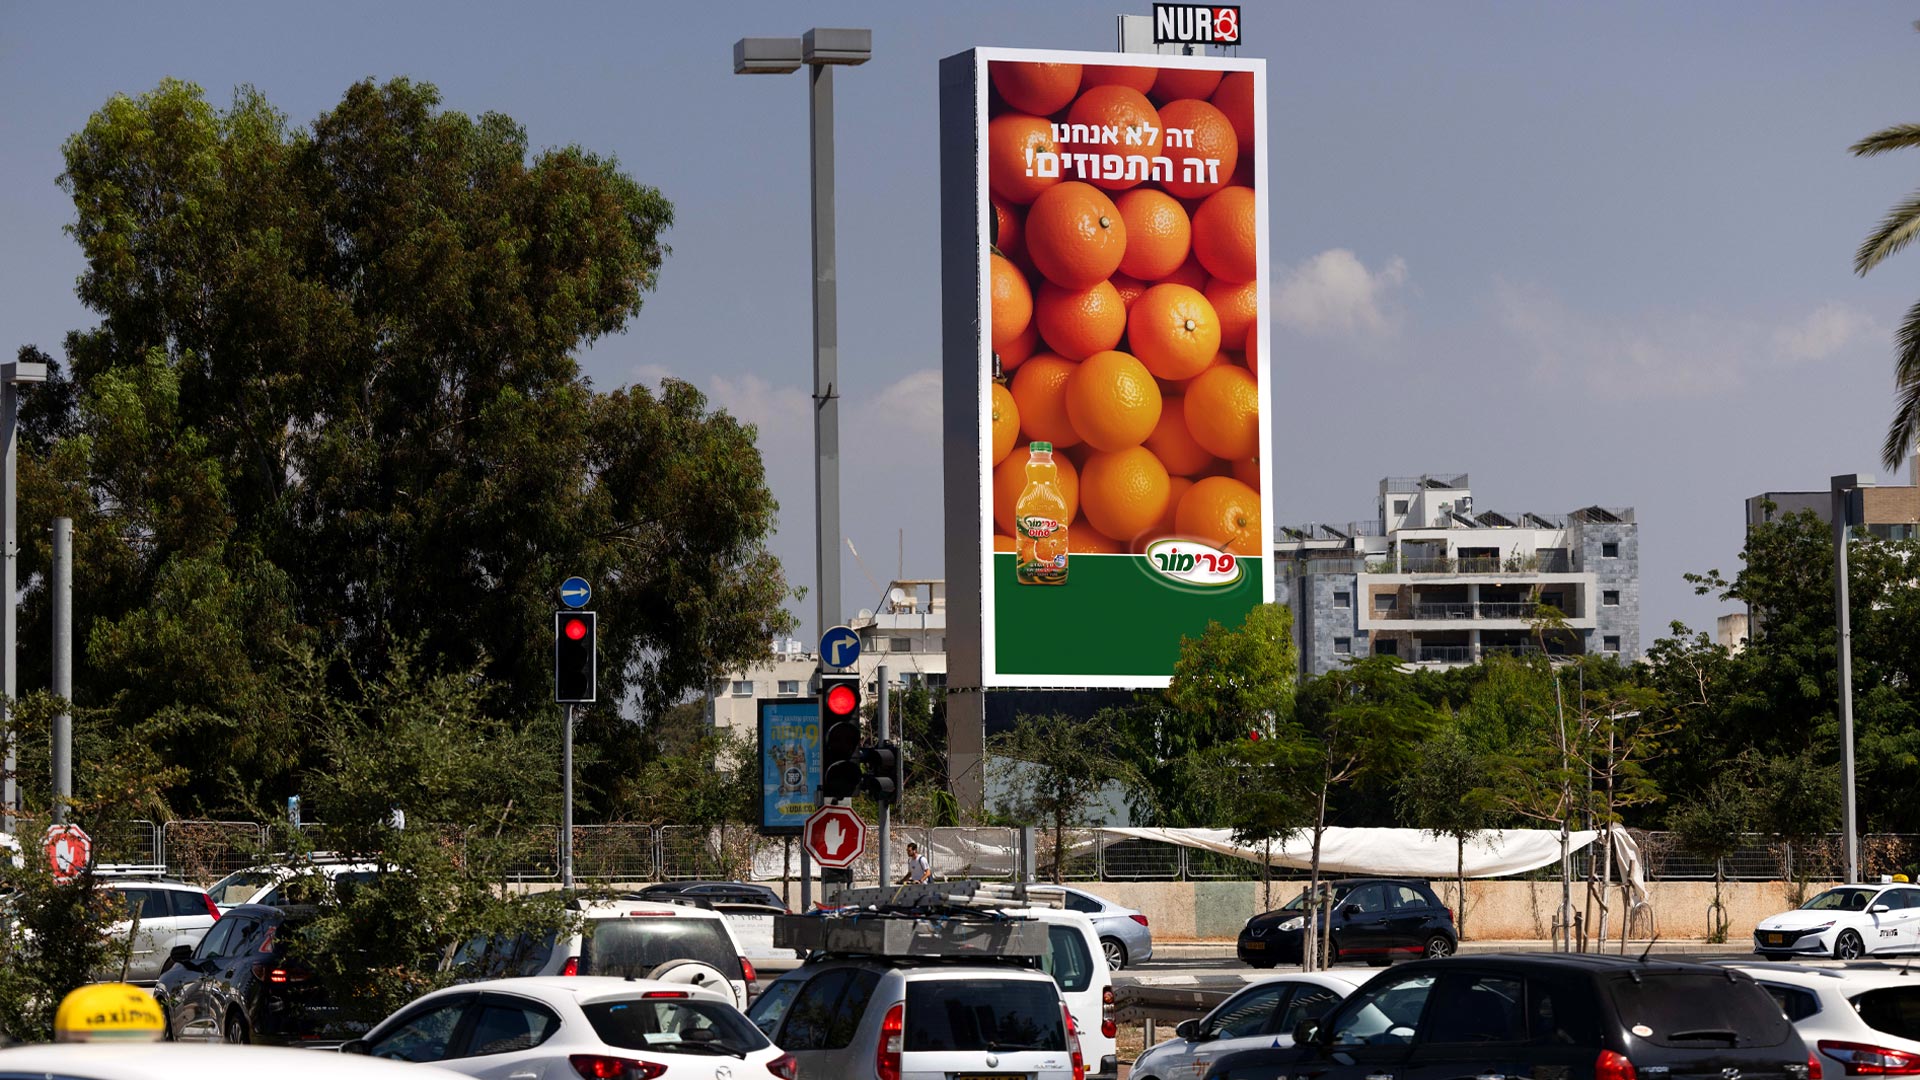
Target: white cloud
x,y
1831,327
649,375
1334,293
911,404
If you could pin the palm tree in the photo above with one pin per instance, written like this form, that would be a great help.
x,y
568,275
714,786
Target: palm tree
x,y
1897,230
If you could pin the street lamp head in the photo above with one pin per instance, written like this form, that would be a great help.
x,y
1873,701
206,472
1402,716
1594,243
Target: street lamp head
x,y
15,371
831,46
767,56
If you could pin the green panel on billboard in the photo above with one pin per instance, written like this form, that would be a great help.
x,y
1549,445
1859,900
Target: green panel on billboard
x,y
1115,617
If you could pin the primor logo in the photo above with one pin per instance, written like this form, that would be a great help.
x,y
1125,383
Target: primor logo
x,y
1194,563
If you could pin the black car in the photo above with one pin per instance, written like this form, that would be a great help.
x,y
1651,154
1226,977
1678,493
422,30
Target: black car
x,y
242,983
713,892
1571,1017
1373,919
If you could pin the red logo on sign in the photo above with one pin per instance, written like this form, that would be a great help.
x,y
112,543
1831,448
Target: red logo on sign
x,y
1226,25
835,836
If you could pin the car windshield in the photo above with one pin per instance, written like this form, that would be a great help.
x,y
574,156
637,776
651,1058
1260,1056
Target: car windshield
x,y
633,947
673,1025
1840,900
240,887
983,1014
1299,903
1894,1010
1689,1010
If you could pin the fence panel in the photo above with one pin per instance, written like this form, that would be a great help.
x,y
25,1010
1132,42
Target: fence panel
x,y
983,852
614,852
1128,859
207,850
1199,864
723,853
136,842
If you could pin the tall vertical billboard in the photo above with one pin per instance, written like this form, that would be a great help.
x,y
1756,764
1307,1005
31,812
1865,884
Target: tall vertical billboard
x,y
1107,440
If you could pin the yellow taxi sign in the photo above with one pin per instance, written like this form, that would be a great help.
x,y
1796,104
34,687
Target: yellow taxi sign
x,y
108,1012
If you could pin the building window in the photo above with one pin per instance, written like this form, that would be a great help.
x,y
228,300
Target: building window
x,y
936,680
1399,506
1386,647
1386,601
1343,646
1342,599
1610,643
789,687
743,688
1610,598
900,644
1610,550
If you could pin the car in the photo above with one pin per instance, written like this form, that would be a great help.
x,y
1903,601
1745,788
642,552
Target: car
x,y
167,914
1072,958
1373,919
714,892
582,1026
276,885
244,983
1264,1014
920,1020
153,1061
1858,1018
1570,1016
1846,922
1125,937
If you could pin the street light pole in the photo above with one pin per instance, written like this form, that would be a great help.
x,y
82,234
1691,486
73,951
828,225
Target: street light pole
x,y
12,374
1844,490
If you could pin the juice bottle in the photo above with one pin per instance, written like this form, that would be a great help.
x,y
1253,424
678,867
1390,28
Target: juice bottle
x,y
1040,518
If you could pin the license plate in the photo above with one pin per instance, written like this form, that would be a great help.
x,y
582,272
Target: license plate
x,y
1776,939
1256,946
990,1076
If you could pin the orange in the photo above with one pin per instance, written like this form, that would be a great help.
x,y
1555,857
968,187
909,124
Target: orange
x,y
1010,301
1223,232
1075,235
1010,479
1222,411
1237,306
1006,423
1234,99
1128,117
1124,492
1253,350
1040,393
1174,331
1007,232
1191,274
1129,288
1223,512
1247,471
1113,401
1017,350
1173,83
1177,487
1213,139
1172,443
1137,78
1084,539
1159,236
1012,140
1078,323
1040,89
1003,542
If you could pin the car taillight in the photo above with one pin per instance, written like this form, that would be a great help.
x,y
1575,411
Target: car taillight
x,y
604,1067
1813,1066
1865,1059
1136,917
1107,1026
785,1067
666,994
1073,1045
573,966
280,976
886,1059
746,969
1612,1065
213,909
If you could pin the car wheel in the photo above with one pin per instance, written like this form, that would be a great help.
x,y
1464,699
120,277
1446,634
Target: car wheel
x,y
166,1023
236,1031
1437,946
1116,953
1848,946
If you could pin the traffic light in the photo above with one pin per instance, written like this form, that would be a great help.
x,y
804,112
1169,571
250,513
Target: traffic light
x,y
575,660
839,736
881,771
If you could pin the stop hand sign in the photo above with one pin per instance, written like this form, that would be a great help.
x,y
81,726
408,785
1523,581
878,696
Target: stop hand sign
x,y
835,836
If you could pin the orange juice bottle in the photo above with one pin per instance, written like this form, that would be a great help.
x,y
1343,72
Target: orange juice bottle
x,y
1040,518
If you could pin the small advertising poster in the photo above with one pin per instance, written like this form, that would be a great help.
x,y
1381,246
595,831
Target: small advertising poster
x,y
789,764
1124,447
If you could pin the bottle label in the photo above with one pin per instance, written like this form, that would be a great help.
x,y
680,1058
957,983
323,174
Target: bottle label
x,y
1040,551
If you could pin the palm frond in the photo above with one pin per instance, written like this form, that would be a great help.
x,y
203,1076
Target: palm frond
x,y
1905,426
1897,137
1896,231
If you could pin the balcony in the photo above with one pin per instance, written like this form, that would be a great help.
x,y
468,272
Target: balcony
x,y
1502,609
1463,654
1560,563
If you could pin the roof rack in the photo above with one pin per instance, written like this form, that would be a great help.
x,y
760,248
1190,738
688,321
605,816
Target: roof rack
x,y
129,870
952,919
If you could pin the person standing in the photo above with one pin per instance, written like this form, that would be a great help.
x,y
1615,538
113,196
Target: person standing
x,y
918,871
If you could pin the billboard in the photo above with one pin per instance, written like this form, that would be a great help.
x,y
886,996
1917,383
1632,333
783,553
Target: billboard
x,y
789,763
1108,443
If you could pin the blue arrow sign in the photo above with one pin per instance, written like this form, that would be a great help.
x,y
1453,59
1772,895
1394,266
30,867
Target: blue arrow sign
x,y
575,592
839,647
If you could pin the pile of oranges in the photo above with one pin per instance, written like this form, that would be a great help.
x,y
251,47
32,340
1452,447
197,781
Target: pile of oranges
x,y
1123,312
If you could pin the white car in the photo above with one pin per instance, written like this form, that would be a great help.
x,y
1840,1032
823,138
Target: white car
x,y
1075,962
170,913
679,943
275,885
559,1028
1265,1014
170,1061
1859,1018
1846,922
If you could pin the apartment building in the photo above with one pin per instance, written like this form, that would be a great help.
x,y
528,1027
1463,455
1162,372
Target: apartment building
x,y
1434,580
1887,511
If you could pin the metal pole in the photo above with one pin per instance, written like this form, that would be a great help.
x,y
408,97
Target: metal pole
x,y
1566,796
10,419
826,353
566,800
63,666
882,727
1843,487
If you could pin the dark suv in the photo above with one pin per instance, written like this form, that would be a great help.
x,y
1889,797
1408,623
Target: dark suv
x,y
1373,919
1572,1017
241,984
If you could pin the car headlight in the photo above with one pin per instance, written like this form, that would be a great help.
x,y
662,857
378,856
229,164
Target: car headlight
x,y
1294,923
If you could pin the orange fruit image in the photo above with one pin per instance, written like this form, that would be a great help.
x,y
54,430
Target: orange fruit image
x,y
1177,488
1247,471
1159,236
1129,288
1253,350
1040,392
1124,492
1015,352
1132,119
1191,274
1010,301
1007,232
1006,423
1173,444
1174,331
1040,89
1078,323
1012,139
1075,235
1112,401
1084,539
1172,84
1223,512
1222,410
1213,139
1223,235
1003,542
1136,78
1234,98
1010,479
1237,306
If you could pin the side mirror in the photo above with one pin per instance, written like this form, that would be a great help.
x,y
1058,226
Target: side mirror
x,y
1188,1029
1879,909
354,1046
179,955
1350,910
1306,1033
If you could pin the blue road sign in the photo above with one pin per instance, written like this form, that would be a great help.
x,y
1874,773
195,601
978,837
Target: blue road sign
x,y
575,592
839,647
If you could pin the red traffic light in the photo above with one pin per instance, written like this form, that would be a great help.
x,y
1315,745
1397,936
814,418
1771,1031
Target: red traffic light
x,y
841,700
1254,735
575,629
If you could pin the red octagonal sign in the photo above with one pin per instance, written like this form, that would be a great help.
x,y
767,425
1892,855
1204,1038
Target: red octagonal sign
x,y
835,836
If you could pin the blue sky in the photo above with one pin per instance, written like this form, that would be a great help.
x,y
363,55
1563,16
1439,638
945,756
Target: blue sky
x,y
1585,253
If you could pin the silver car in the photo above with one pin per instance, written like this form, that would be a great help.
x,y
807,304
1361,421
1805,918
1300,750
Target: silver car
x,y
161,914
1125,937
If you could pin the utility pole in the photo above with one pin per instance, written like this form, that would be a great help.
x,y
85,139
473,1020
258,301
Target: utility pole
x,y
12,374
1845,489
62,666
566,800
883,733
1566,810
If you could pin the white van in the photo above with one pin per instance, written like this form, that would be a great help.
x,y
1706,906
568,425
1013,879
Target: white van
x,y
1076,962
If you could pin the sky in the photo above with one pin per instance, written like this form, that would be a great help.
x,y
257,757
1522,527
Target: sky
x,y
1587,254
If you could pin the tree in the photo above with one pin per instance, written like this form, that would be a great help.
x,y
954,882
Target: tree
x,y
1444,795
1713,825
1895,231
1799,803
1053,768
1227,683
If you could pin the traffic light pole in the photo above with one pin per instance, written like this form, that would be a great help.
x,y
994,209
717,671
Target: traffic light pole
x,y
566,800
881,735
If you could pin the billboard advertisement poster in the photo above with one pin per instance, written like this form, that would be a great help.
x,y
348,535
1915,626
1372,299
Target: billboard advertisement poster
x,y
1123,448
789,764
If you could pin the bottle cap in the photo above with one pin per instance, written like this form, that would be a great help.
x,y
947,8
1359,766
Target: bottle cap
x,y
1041,447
